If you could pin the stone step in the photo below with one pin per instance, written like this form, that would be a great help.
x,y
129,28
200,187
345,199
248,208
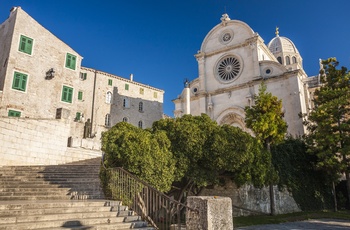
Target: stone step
x,y
48,189
53,197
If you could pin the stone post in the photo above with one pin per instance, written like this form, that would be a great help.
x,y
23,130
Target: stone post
x,y
213,213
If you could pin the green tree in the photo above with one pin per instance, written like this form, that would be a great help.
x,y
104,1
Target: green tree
x,y
329,122
265,119
141,152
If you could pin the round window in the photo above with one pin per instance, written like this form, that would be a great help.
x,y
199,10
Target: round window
x,y
268,71
228,68
195,90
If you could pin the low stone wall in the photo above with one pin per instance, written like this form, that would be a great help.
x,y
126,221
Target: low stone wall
x,y
25,141
249,197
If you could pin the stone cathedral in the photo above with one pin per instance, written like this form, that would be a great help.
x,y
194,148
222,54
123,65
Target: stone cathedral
x,y
233,61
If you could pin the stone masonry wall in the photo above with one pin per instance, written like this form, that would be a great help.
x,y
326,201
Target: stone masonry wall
x,y
26,141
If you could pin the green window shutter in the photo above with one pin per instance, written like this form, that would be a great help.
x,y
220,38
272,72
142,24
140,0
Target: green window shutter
x,y
77,116
19,81
67,94
110,81
13,113
84,76
70,61
126,86
80,95
25,45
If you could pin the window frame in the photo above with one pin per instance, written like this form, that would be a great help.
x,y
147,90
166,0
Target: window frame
x,y
140,106
140,124
108,120
19,81
71,61
80,95
109,96
14,113
69,91
142,91
24,44
126,86
110,82
125,119
126,103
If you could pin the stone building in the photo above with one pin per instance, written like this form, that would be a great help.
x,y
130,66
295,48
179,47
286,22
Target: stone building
x,y
41,77
232,62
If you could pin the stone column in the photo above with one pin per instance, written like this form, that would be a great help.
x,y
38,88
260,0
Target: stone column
x,y
213,213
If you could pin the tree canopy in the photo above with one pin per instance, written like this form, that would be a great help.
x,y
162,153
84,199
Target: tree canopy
x,y
329,122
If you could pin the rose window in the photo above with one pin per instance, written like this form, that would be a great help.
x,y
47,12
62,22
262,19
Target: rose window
x,y
228,68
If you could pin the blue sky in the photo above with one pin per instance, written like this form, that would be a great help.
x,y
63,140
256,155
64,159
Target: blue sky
x,y
156,40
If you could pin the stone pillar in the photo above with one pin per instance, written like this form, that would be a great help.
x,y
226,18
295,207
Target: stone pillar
x,y
213,213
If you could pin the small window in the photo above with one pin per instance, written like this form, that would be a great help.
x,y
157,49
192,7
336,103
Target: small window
x,y
80,95
19,81
25,45
83,76
140,124
142,90
108,97
287,60
279,59
108,120
77,116
155,95
71,61
67,94
268,71
110,82
125,119
14,113
126,86
126,103
294,60
141,106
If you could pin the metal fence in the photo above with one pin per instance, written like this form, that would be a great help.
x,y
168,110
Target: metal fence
x,y
158,209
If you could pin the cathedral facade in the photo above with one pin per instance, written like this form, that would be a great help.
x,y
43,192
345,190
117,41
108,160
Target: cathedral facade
x,y
233,61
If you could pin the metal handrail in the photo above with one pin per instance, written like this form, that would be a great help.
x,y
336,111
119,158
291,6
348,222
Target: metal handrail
x,y
158,209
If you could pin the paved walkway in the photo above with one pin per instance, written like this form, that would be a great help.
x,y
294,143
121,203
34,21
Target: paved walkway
x,y
320,224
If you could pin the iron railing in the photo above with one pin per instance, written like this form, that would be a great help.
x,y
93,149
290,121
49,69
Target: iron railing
x,y
158,209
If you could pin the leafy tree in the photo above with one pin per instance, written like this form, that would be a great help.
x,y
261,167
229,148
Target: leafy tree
x,y
329,122
204,151
141,152
265,119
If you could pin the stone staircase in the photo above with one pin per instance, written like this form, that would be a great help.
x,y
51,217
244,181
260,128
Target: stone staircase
x,y
60,197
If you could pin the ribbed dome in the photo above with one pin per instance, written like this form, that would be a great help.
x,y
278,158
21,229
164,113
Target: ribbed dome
x,y
282,44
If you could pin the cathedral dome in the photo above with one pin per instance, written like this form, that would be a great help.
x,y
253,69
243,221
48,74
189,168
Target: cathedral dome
x,y
285,51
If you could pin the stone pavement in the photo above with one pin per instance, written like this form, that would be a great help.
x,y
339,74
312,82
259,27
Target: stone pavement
x,y
320,224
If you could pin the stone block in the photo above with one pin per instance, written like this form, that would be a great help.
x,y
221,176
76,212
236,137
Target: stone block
x,y
209,213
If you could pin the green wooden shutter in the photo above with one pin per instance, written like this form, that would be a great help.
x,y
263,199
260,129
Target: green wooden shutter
x,y
77,116
126,86
13,113
70,94
80,95
23,82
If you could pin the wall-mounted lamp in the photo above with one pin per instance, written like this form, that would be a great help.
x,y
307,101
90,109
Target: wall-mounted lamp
x,y
50,74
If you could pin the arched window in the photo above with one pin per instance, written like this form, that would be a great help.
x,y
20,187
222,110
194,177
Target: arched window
x,y
108,120
140,124
108,97
279,59
125,119
126,103
287,60
294,59
141,106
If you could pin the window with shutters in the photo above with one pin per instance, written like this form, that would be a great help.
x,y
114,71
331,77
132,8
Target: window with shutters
x,y
80,95
14,113
25,45
142,91
77,116
126,86
67,94
83,76
20,81
155,95
110,82
125,119
71,61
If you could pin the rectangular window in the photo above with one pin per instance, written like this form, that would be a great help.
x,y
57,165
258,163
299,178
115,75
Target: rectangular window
x,y
142,90
13,113
126,86
25,45
70,61
83,76
67,94
155,94
19,81
77,116
80,95
110,81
